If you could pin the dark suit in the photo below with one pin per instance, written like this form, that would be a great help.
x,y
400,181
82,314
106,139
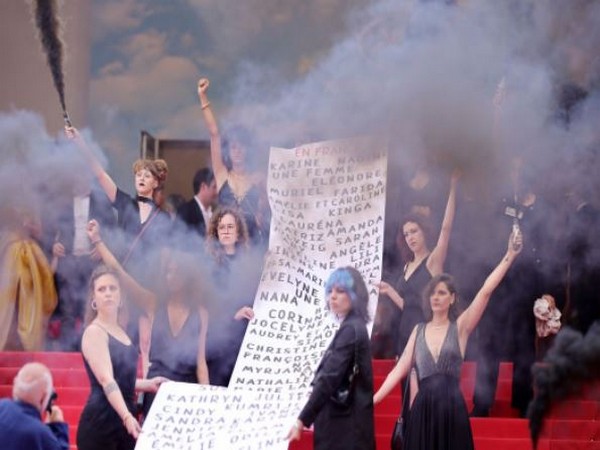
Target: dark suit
x,y
337,427
191,215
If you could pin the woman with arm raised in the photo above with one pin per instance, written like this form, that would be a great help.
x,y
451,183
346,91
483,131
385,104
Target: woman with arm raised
x,y
237,185
110,359
438,418
178,319
422,264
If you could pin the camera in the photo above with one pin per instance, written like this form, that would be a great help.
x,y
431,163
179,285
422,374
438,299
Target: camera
x,y
51,401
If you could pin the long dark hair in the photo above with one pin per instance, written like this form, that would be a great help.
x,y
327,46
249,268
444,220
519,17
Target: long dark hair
x,y
455,308
350,280
242,136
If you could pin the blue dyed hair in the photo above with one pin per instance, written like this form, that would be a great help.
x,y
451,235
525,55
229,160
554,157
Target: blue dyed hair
x,y
341,279
350,281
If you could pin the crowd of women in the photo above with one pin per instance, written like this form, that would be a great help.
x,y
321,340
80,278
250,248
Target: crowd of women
x,y
156,293
126,278
148,289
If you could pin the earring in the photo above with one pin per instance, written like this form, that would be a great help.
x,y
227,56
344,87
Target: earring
x,y
94,305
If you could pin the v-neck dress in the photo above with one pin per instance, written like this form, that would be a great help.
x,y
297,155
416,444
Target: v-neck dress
x,y
438,419
411,290
174,356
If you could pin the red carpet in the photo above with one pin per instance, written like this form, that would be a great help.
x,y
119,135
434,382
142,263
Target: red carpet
x,y
571,425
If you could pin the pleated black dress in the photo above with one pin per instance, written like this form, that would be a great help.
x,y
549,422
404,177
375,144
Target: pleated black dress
x,y
438,418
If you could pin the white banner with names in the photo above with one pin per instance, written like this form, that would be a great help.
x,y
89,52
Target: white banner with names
x,y
327,201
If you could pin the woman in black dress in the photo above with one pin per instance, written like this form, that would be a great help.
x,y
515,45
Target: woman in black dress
x,y
235,274
145,226
178,323
350,426
438,418
107,421
422,265
237,185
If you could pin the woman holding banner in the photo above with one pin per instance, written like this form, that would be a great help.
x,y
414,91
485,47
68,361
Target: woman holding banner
x,y
235,274
341,402
438,419
110,359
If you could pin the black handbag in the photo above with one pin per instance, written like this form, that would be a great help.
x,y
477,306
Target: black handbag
x,y
398,433
342,396
399,428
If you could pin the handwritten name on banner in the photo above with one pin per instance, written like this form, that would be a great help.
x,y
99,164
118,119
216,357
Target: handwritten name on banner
x,y
327,201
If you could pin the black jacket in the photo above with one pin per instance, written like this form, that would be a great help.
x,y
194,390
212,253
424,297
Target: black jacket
x,y
190,214
338,427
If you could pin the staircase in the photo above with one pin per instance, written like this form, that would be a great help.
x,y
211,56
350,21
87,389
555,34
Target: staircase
x,y
573,424
570,425
69,376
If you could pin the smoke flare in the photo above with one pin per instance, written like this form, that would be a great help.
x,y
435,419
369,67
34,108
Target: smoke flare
x,y
573,361
49,27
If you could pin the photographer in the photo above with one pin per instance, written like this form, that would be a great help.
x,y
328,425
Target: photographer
x,y
21,423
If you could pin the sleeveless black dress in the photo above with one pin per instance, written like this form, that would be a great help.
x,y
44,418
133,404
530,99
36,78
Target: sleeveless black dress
x,y
173,356
100,427
249,206
438,418
411,291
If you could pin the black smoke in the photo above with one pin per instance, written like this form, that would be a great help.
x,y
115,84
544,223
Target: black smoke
x,y
573,361
49,27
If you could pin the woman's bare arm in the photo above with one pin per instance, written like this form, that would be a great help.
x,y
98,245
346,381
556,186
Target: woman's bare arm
x,y
400,370
469,319
216,154
141,296
435,263
202,368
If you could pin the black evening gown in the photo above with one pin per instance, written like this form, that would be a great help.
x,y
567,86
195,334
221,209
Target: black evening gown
x,y
249,205
411,291
100,427
173,356
438,418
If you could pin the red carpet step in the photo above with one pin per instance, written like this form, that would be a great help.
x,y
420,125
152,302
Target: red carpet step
x,y
573,424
